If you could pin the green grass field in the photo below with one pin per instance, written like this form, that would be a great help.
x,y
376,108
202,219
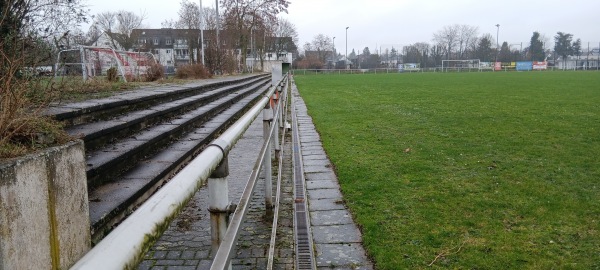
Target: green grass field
x,y
467,170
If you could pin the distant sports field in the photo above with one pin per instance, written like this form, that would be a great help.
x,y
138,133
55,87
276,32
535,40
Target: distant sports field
x,y
467,170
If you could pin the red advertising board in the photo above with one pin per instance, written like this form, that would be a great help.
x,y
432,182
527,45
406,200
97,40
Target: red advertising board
x,y
540,65
498,66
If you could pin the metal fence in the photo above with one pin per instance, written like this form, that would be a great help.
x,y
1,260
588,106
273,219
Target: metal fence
x,y
429,70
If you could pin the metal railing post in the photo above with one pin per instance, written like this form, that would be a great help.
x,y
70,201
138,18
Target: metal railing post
x,y
281,97
267,119
218,204
276,99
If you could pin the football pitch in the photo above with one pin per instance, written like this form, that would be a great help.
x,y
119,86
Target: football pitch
x,y
466,170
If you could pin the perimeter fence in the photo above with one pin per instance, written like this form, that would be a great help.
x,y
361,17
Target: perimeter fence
x,y
428,70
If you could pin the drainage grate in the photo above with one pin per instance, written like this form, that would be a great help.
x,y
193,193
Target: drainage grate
x,y
304,245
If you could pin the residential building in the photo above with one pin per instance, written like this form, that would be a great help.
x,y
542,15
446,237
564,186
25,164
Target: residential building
x,y
175,47
587,60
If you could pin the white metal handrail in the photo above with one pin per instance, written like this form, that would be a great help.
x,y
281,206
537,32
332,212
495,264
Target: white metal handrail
x,y
126,244
271,252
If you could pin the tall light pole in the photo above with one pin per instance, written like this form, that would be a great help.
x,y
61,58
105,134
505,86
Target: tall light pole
x,y
334,56
497,44
218,26
497,32
346,61
202,33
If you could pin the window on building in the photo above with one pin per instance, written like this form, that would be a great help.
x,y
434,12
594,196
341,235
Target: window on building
x,y
142,41
168,41
168,51
156,41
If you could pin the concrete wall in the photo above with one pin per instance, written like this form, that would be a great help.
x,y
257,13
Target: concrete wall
x,y
276,73
44,220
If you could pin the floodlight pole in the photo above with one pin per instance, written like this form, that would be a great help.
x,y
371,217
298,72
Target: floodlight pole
x,y
218,26
346,60
334,53
202,32
497,45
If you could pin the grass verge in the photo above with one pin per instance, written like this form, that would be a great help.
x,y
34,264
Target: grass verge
x,y
469,170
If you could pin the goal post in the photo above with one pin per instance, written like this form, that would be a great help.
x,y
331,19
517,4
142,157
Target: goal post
x,y
89,61
461,65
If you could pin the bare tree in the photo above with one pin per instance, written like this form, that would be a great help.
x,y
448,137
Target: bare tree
x,y
437,53
448,37
466,36
243,16
457,39
170,23
118,26
189,18
92,34
107,22
285,37
323,45
30,32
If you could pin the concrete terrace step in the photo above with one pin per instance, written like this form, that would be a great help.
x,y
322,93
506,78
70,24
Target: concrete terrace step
x,y
108,161
90,110
103,131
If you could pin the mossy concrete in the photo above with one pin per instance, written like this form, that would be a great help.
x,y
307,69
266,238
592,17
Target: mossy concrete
x,y
44,221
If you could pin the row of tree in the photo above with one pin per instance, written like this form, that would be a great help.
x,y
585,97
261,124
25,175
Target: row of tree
x,y
244,26
452,42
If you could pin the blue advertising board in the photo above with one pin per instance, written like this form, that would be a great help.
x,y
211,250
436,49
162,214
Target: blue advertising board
x,y
524,65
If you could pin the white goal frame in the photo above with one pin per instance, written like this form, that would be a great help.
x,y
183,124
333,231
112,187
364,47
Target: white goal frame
x,y
459,65
95,61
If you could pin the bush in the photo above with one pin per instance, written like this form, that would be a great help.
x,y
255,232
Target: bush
x,y
23,128
195,71
155,72
112,74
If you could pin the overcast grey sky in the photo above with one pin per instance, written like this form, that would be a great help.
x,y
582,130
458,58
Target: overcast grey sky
x,y
400,22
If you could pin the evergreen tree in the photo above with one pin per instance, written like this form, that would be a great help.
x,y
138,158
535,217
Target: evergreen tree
x,y
505,54
536,48
577,48
562,45
484,49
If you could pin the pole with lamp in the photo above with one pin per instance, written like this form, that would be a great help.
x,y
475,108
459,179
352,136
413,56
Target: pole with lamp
x,y
202,32
346,60
334,56
218,26
497,45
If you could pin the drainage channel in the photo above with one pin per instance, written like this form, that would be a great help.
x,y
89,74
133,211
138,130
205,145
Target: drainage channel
x,y
304,244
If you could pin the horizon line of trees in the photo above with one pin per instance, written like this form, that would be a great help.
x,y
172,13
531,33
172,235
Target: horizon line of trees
x,y
452,42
